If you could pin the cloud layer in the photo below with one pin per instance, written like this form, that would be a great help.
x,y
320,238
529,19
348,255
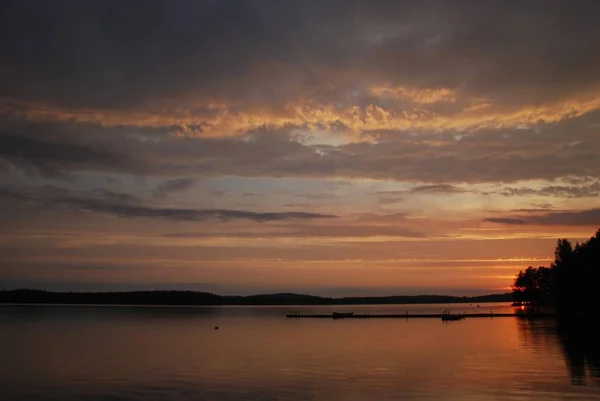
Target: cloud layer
x,y
438,92
589,217
124,205
358,131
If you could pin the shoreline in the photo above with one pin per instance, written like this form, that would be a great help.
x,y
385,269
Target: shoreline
x,y
24,304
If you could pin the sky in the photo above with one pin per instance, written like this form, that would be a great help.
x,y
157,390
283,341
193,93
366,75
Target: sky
x,y
326,147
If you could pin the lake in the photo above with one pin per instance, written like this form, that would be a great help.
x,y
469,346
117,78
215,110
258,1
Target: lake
x,y
174,353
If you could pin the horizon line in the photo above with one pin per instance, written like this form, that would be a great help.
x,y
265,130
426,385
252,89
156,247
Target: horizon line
x,y
254,295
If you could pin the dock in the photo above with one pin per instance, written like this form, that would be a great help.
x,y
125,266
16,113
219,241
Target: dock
x,y
414,316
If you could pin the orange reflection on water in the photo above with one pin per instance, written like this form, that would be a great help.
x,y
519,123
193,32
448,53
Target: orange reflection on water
x,y
259,350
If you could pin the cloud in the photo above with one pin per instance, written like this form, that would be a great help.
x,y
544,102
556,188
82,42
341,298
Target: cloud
x,y
123,205
394,197
339,232
437,158
441,188
178,185
505,220
51,156
223,98
355,119
530,210
390,197
195,214
559,191
95,266
589,217
417,92
544,206
362,66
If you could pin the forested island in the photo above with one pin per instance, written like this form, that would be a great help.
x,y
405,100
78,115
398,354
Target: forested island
x,y
26,296
569,284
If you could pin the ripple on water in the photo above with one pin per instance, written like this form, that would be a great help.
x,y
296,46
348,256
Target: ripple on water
x,y
101,355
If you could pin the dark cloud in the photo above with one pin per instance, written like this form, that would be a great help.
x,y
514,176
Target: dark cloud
x,y
560,191
178,185
50,196
530,210
123,205
544,206
441,188
390,193
578,180
117,49
435,95
505,220
95,266
390,197
296,205
267,51
590,217
352,229
217,59
10,195
315,196
194,214
489,156
51,156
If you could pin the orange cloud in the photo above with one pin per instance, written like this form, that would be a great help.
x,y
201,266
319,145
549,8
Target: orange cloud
x,y
222,119
424,96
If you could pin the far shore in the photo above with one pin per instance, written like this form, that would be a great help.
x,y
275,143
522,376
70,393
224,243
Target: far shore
x,y
194,298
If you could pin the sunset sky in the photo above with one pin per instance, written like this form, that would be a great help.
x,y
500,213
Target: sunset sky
x,y
325,147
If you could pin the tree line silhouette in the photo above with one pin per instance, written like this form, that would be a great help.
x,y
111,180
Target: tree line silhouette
x,y
27,296
569,284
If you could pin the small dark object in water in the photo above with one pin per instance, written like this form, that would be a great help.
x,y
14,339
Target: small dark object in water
x,y
342,314
449,316
216,327
452,317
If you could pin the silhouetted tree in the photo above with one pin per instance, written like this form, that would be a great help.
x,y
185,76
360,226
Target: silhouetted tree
x,y
534,285
570,283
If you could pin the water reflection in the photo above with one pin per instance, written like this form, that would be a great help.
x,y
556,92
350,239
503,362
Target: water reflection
x,y
125,353
578,340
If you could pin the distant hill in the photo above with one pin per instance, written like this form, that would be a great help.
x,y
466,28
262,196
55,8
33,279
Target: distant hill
x,y
111,298
26,296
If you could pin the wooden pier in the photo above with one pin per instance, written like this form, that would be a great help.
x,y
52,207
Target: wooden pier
x,y
414,316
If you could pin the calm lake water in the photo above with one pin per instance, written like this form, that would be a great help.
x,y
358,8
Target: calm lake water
x,y
171,353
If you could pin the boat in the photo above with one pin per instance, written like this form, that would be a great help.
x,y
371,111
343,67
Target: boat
x,y
446,316
342,314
